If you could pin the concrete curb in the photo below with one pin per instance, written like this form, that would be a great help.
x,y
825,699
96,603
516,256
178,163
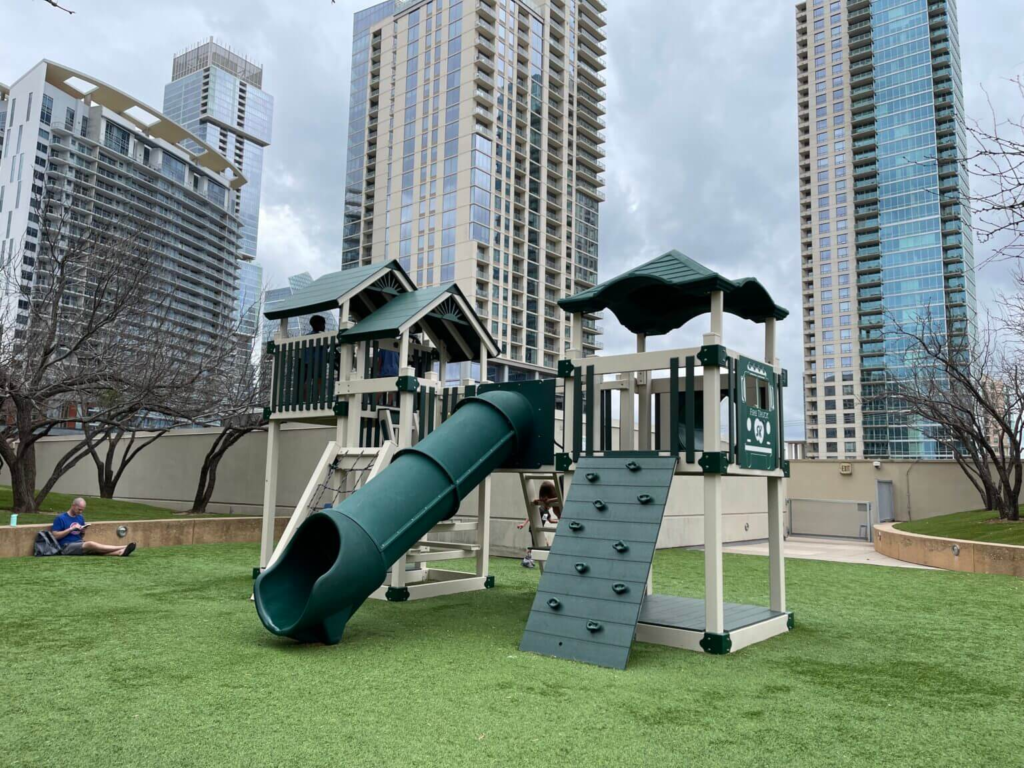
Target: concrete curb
x,y
949,554
17,541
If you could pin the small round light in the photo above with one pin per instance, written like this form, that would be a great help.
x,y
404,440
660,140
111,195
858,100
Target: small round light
x,y
956,550
122,531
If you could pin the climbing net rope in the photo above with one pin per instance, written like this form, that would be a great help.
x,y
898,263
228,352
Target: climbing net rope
x,y
339,483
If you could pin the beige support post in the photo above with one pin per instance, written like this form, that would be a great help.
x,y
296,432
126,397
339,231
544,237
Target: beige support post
x,y
577,336
483,363
405,408
714,604
776,556
351,364
270,493
776,525
626,420
483,527
643,382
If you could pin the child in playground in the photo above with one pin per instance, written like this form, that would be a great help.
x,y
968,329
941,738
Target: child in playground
x,y
550,509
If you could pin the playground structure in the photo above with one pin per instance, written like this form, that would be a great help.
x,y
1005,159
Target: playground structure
x,y
595,595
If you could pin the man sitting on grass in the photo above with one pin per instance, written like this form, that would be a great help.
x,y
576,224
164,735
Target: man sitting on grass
x,y
69,527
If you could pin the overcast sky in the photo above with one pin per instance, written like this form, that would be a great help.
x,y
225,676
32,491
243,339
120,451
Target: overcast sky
x,y
701,132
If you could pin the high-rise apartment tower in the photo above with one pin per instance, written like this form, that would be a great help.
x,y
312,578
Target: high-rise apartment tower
x,y
475,155
884,236
92,150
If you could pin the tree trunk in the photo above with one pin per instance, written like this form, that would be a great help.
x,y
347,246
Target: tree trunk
x,y
21,483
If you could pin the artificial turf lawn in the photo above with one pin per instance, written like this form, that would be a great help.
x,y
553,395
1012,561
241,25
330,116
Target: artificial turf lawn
x,y
160,660
972,526
96,509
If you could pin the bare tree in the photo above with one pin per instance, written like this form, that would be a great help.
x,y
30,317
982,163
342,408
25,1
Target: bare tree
x,y
87,342
241,394
966,392
996,163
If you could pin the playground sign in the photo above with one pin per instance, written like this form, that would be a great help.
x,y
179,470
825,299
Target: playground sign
x,y
758,423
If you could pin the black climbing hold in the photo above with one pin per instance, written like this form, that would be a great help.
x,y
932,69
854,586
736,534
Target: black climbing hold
x,y
593,626
620,546
593,477
582,567
633,466
599,505
645,498
554,604
620,589
575,526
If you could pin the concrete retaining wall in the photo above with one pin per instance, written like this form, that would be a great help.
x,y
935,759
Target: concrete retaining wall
x,y
165,475
17,541
949,554
920,488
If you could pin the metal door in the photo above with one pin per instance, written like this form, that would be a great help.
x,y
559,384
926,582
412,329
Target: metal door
x,y
886,501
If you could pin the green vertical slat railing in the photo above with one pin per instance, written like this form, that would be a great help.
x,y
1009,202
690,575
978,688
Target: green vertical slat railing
x,y
431,407
781,424
332,355
591,410
289,378
730,367
657,423
275,401
577,414
689,414
444,405
606,420
673,406
422,405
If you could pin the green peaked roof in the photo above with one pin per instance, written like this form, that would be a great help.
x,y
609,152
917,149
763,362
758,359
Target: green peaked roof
x,y
325,292
667,292
450,318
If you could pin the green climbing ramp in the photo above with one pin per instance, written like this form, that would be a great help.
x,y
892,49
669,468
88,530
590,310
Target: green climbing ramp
x,y
593,585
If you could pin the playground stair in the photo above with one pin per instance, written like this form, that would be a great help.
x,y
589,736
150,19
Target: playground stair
x,y
590,594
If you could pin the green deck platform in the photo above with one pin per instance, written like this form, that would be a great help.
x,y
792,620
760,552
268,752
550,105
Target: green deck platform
x,y
688,613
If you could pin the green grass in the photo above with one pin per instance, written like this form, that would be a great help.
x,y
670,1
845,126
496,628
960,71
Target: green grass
x,y
973,526
97,510
160,660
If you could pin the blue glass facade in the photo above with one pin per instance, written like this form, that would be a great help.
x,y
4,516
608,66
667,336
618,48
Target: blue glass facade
x,y
234,116
914,248
355,169
885,241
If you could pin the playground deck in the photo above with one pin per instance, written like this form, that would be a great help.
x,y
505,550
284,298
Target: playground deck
x,y
688,613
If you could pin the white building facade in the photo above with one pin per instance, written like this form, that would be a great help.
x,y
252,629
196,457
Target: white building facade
x,y
106,155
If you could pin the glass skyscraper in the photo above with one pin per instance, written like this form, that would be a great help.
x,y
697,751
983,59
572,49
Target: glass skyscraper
x,y
475,153
884,237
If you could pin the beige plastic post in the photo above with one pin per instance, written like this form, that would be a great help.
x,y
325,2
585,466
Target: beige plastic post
x,y
714,604
405,407
351,365
270,493
483,527
643,383
776,554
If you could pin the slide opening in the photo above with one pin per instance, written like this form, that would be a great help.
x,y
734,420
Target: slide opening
x,y
310,555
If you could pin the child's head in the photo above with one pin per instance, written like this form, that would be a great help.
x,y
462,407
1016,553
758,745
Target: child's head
x,y
547,490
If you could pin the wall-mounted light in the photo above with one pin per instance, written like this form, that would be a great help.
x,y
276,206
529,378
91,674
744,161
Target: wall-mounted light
x,y
122,531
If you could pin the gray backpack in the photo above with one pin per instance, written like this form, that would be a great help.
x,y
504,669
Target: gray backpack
x,y
45,545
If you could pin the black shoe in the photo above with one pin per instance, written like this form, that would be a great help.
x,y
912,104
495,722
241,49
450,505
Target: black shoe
x,y
128,550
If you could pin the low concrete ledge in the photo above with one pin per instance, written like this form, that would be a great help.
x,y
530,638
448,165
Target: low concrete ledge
x,y
949,554
17,541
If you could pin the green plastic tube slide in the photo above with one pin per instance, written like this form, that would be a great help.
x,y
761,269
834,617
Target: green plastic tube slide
x,y
340,556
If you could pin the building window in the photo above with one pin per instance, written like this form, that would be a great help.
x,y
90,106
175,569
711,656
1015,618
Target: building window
x,y
46,113
116,138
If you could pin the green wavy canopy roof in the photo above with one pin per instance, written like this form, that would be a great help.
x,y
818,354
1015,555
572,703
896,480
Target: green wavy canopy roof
x,y
665,293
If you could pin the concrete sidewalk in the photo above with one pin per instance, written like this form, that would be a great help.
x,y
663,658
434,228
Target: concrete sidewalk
x,y
831,550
